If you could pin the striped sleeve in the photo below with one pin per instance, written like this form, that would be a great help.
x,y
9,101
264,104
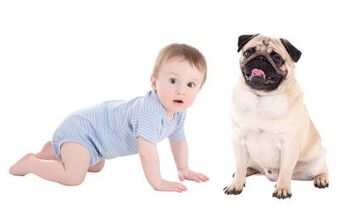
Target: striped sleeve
x,y
179,133
149,126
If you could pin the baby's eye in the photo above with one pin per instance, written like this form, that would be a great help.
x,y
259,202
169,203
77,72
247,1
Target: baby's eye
x,y
173,81
191,85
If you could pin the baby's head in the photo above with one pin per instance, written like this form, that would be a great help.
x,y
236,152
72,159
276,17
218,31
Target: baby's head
x,y
183,52
178,75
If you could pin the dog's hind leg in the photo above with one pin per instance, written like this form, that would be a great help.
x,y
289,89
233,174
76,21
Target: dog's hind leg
x,y
250,172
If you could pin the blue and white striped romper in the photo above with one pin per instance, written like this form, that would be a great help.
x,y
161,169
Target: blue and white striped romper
x,y
110,129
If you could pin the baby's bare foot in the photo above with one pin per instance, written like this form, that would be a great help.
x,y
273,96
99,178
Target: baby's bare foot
x,y
20,167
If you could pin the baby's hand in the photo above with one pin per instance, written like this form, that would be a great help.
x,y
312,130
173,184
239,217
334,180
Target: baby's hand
x,y
187,174
170,186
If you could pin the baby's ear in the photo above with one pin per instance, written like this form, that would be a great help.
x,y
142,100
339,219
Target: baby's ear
x,y
153,82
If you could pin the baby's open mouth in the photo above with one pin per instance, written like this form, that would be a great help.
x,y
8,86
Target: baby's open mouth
x,y
178,101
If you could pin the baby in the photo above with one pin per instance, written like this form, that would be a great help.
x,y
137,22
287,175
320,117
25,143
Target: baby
x,y
117,128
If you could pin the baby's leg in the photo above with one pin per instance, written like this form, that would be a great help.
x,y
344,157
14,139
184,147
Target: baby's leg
x,y
47,152
70,171
97,167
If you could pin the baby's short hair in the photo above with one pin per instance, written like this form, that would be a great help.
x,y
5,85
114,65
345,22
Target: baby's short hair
x,y
188,53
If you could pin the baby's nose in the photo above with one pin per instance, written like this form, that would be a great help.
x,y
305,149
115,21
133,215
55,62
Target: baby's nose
x,y
181,90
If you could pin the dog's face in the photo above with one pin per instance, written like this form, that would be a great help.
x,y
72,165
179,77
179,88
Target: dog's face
x,y
266,62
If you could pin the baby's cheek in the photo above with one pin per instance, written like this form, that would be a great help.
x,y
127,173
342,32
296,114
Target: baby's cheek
x,y
190,100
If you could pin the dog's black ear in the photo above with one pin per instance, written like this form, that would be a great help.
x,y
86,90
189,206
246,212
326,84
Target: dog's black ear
x,y
293,51
243,39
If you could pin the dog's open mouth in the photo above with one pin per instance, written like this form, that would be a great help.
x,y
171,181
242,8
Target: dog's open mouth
x,y
257,74
261,79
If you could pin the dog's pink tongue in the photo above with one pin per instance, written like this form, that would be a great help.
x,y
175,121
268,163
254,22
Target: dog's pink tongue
x,y
258,72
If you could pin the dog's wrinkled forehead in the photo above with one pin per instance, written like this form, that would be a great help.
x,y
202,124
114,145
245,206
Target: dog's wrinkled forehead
x,y
266,44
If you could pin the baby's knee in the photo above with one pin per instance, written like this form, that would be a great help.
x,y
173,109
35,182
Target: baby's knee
x,y
71,180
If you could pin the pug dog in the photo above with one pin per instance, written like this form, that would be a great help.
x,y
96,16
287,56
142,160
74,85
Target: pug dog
x,y
272,131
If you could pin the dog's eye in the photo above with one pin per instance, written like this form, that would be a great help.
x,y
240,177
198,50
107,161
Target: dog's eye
x,y
250,51
277,58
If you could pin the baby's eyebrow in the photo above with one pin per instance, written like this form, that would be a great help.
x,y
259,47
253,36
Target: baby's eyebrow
x,y
171,73
190,80
194,80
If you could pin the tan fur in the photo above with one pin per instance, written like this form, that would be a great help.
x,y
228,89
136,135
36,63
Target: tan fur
x,y
272,131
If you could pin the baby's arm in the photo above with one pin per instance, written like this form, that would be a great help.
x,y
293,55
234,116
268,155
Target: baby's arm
x,y
150,164
180,153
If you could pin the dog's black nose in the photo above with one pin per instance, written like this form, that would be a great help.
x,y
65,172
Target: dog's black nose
x,y
261,58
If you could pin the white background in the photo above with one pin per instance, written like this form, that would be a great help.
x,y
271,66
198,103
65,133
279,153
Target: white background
x,y
59,56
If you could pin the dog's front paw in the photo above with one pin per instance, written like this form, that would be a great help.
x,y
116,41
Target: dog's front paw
x,y
234,188
321,181
282,192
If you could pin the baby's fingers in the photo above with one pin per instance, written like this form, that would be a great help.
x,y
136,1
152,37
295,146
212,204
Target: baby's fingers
x,y
180,187
202,177
198,177
194,177
172,186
